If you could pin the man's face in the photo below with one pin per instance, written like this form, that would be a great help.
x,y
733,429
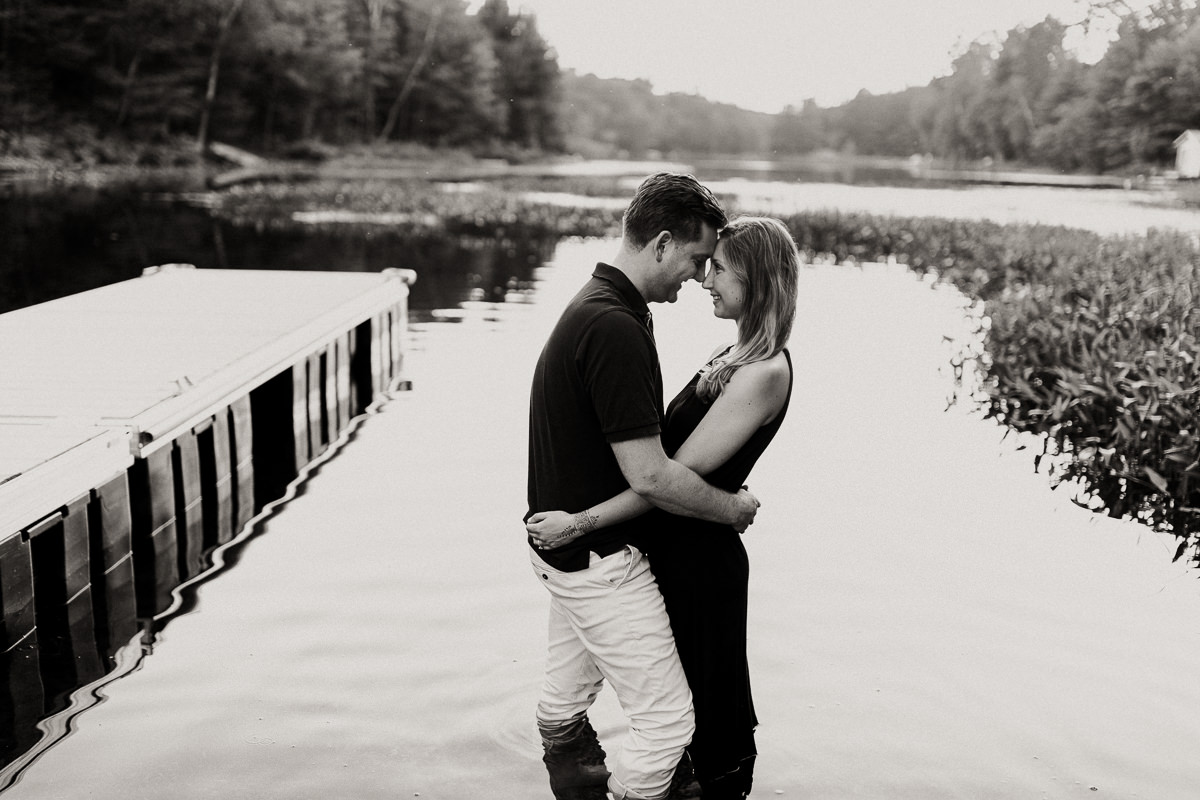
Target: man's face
x,y
681,261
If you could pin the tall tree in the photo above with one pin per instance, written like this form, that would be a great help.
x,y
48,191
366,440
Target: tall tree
x,y
877,124
227,11
1124,94
1163,96
308,69
376,27
1066,138
452,101
528,76
1024,71
29,60
961,126
423,52
800,130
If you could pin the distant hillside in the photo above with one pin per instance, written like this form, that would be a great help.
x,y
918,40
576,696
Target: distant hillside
x,y
1021,99
608,117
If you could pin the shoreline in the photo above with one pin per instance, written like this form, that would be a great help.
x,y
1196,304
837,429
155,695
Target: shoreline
x,y
225,165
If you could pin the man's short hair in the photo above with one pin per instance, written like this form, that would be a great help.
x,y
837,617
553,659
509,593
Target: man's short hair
x,y
668,201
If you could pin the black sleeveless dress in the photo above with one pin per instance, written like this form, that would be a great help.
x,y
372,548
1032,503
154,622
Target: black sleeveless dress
x,y
703,572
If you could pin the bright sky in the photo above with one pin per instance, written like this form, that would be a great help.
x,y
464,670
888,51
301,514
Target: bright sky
x,y
767,54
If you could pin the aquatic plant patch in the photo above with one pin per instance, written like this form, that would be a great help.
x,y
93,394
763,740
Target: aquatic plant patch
x,y
417,206
1090,341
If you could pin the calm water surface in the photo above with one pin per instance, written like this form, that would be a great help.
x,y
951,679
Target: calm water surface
x,y
927,618
80,238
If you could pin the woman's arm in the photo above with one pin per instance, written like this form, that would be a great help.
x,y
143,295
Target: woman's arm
x,y
752,398
556,528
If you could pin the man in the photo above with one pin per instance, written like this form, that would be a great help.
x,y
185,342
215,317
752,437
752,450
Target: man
x,y
595,410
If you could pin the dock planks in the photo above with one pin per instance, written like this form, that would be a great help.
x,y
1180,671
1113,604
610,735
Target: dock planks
x,y
152,352
144,423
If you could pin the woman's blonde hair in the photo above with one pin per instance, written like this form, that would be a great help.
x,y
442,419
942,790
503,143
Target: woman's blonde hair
x,y
762,255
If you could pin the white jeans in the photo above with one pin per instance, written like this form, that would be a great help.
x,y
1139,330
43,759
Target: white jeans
x,y
609,622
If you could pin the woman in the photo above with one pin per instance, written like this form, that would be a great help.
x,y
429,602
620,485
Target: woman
x,y
718,425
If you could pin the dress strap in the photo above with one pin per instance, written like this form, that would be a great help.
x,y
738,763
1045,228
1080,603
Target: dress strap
x,y
723,353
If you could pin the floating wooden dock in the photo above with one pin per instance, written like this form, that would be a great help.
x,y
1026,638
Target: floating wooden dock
x,y
144,424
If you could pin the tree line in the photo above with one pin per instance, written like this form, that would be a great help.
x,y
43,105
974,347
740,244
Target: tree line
x,y
1028,99
279,74
266,73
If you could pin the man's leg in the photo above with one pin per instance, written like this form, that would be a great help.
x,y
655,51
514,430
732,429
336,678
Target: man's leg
x,y
573,756
616,611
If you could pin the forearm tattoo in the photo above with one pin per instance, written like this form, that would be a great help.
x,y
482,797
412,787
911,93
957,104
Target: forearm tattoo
x,y
581,523
584,522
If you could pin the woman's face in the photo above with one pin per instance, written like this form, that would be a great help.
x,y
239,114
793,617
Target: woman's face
x,y
728,292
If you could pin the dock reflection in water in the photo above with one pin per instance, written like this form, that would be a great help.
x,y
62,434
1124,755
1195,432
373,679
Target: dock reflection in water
x,y
114,568
124,558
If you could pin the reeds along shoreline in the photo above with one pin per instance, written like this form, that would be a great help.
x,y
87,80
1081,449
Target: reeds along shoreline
x,y
1089,341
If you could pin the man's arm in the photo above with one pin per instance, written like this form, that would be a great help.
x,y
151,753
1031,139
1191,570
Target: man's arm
x,y
752,397
675,488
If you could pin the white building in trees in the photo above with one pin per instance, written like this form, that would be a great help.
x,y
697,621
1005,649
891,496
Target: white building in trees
x,y
1187,154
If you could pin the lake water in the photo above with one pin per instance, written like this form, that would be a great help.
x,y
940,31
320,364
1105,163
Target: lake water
x,y
927,618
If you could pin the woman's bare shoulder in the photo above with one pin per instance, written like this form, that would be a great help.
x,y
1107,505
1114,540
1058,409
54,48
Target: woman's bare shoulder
x,y
762,386
768,374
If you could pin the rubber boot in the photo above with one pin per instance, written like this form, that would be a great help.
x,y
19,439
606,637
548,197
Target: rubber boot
x,y
733,785
684,785
575,761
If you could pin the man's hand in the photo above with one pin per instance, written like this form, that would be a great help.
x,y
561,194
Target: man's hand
x,y
747,507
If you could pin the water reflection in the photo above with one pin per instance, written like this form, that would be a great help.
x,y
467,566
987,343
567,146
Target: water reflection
x,y
857,171
81,238
84,605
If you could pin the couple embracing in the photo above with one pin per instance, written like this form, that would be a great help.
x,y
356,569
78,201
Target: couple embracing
x,y
636,513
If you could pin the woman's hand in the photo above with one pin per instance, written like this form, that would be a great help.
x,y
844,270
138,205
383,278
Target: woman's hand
x,y
551,529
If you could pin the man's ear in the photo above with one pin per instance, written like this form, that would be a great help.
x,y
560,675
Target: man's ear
x,y
660,244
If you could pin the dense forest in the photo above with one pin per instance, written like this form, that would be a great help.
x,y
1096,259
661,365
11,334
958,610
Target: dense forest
x,y
1027,99
269,73
295,76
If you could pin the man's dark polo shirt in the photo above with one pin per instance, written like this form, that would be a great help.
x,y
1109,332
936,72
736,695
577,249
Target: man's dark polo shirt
x,y
598,381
